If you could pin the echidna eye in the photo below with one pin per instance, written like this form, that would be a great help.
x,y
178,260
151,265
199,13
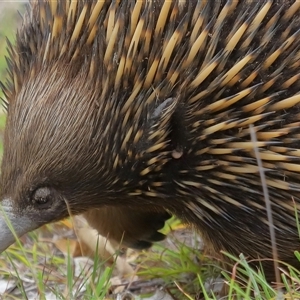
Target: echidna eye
x,y
42,196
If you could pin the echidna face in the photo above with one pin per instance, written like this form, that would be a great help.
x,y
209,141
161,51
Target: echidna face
x,y
45,149
63,152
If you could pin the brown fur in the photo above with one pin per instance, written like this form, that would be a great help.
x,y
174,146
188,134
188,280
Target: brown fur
x,y
135,229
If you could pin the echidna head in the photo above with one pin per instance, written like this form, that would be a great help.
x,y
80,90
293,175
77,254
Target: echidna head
x,y
66,148
47,140
86,126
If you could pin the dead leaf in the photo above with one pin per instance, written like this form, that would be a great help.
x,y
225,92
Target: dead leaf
x,y
67,246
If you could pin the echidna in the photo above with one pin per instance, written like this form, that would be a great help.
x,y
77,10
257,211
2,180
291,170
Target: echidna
x,y
126,110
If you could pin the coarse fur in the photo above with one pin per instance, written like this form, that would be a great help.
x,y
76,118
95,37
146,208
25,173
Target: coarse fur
x,y
144,107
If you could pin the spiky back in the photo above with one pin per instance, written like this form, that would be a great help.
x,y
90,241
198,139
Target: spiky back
x,y
145,43
189,77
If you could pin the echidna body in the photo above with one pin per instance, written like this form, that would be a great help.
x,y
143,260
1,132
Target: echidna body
x,y
135,107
